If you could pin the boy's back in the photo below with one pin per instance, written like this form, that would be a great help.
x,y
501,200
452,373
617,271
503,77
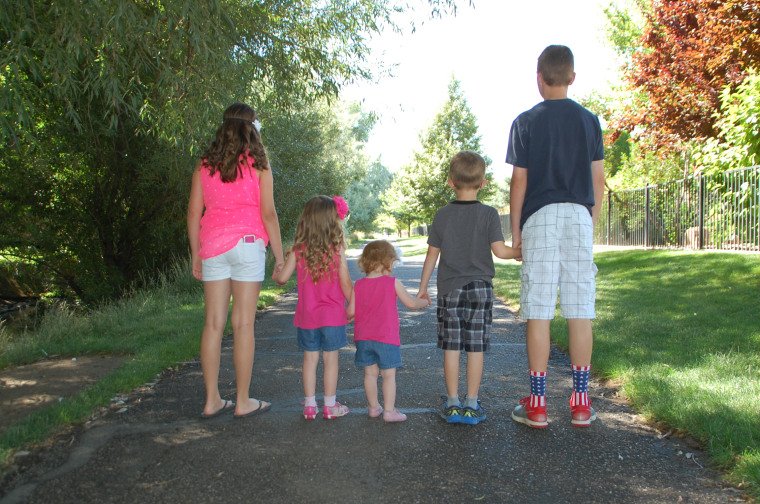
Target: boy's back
x,y
556,141
555,195
464,231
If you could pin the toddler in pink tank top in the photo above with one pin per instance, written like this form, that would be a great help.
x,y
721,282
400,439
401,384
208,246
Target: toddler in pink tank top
x,y
376,325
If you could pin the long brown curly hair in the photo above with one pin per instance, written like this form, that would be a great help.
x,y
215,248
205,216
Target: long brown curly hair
x,y
234,137
319,236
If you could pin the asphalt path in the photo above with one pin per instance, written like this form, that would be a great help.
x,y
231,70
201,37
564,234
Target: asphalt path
x,y
155,449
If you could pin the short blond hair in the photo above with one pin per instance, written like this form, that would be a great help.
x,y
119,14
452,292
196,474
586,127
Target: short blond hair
x,y
467,170
377,253
556,65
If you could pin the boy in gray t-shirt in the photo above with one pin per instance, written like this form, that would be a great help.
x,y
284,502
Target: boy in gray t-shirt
x,y
464,233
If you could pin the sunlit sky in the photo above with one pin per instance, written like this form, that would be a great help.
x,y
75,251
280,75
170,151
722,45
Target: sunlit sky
x,y
492,50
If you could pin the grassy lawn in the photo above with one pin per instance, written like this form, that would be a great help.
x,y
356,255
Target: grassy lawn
x,y
415,245
680,331
157,328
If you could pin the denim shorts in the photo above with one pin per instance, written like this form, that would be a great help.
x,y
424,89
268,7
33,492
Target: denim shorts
x,y
327,339
465,316
385,355
245,262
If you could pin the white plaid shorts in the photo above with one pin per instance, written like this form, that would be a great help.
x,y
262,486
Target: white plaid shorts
x,y
557,251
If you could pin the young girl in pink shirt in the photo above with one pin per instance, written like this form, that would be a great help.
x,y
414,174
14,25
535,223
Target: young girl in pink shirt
x,y
376,325
230,220
318,255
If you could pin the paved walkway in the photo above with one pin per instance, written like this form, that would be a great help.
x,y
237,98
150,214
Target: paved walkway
x,y
157,450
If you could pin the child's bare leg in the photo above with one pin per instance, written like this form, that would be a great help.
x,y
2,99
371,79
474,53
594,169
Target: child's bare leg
x,y
538,344
580,341
451,371
217,303
309,373
389,388
245,296
370,385
330,360
474,373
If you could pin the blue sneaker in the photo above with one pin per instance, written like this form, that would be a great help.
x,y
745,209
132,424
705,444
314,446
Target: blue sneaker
x,y
473,416
452,414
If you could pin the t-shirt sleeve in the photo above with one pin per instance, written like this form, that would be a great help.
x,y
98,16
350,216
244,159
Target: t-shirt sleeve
x,y
434,233
495,233
517,150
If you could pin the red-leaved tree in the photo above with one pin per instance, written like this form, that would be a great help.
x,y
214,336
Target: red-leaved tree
x,y
690,50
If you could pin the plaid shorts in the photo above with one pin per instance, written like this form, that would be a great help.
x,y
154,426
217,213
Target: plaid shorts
x,y
558,251
465,316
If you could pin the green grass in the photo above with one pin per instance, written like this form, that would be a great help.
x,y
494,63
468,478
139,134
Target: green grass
x,y
157,328
680,333
416,245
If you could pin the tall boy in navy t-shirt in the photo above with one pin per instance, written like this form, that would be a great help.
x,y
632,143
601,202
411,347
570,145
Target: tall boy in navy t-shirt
x,y
556,192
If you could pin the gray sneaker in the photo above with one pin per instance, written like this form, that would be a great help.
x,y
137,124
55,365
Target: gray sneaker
x,y
452,414
533,417
473,416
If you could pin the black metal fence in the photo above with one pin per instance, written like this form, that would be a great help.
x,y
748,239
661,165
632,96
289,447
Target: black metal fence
x,y
719,212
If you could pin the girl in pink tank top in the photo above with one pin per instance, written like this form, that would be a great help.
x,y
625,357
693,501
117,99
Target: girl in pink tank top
x,y
230,219
376,325
318,255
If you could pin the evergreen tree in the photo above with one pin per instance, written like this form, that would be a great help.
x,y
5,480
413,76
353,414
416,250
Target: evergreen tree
x,y
454,129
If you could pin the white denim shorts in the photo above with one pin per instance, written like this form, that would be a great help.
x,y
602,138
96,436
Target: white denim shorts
x,y
558,251
245,262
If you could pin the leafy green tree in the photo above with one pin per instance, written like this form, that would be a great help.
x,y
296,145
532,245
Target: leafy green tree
x,y
454,129
499,197
738,142
316,148
104,103
398,201
364,197
686,52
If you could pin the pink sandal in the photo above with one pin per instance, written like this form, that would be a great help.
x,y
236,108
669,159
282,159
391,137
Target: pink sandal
x,y
332,412
375,412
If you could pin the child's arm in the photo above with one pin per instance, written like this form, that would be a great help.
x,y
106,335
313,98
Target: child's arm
x,y
194,214
597,175
351,310
345,278
427,271
281,277
504,251
269,218
517,188
417,303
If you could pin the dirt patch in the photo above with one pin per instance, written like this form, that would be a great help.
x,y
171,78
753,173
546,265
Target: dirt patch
x,y
30,388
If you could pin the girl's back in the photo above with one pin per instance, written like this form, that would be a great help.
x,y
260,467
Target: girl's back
x,y
233,209
320,303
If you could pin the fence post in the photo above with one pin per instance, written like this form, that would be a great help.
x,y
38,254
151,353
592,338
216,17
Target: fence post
x,y
646,216
701,211
609,214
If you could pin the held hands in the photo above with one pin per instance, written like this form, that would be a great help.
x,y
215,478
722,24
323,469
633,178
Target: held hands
x,y
277,269
423,294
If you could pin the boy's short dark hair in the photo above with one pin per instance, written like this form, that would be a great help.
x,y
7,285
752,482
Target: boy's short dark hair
x,y
467,170
556,65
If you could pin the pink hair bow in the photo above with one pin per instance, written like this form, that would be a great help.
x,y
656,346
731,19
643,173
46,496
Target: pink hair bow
x,y
341,206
